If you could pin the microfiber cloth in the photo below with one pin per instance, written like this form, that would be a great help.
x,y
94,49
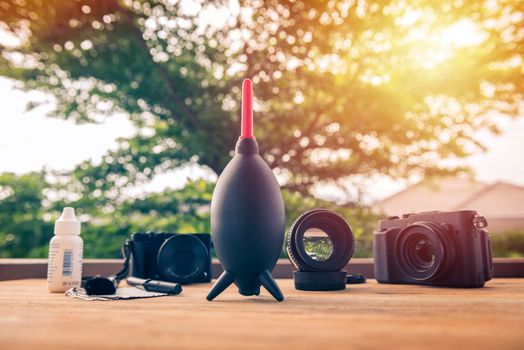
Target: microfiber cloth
x,y
121,293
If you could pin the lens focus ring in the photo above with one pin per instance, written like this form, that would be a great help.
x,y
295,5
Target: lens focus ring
x,y
335,231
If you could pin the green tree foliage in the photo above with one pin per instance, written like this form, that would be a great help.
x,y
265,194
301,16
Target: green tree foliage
x,y
27,217
344,88
182,211
23,232
509,244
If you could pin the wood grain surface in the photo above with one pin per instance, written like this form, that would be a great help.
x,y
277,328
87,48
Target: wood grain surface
x,y
367,316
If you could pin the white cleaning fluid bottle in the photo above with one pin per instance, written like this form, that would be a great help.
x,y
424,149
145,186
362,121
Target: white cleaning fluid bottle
x,y
64,267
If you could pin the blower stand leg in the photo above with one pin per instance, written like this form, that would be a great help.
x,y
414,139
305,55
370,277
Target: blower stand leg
x,y
271,285
221,284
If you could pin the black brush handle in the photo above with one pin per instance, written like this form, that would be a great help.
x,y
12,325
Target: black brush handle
x,y
155,286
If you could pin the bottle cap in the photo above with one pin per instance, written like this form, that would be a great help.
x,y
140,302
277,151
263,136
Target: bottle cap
x,y
67,223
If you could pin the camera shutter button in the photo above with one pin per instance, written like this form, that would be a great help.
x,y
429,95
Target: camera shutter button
x,y
480,221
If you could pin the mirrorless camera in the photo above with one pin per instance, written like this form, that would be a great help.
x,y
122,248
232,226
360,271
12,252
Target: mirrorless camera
x,y
434,248
179,258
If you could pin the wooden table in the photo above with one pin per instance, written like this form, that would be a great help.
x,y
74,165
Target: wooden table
x,y
367,316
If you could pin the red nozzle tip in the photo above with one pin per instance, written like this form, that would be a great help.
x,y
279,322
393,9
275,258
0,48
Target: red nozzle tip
x,y
247,110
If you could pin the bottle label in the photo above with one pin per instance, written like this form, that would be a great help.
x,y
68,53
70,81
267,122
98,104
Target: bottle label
x,y
64,268
67,266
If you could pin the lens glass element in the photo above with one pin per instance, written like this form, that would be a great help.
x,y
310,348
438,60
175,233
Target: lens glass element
x,y
182,258
317,244
419,252
424,252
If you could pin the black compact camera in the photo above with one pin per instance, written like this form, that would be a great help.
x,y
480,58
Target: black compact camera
x,y
434,248
178,258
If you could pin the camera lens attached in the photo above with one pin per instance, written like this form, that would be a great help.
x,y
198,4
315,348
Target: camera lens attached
x,y
181,258
424,250
319,244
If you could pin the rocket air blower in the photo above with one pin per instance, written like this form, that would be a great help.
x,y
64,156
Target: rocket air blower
x,y
247,215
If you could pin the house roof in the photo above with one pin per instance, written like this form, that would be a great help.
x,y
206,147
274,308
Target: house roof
x,y
498,200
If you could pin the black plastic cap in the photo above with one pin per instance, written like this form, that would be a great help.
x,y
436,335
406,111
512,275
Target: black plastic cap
x,y
99,285
320,281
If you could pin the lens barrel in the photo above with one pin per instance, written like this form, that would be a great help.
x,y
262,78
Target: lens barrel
x,y
320,256
182,258
424,250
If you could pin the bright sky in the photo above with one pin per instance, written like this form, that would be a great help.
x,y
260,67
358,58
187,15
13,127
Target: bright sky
x,y
31,140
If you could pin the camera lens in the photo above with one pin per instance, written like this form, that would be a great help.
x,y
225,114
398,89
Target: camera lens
x,y
424,251
317,244
181,258
320,240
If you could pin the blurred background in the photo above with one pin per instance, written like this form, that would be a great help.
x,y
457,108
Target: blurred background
x,y
129,110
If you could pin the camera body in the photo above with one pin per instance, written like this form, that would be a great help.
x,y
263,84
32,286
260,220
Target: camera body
x,y
177,258
434,248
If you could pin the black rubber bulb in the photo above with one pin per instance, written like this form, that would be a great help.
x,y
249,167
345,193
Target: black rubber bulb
x,y
247,216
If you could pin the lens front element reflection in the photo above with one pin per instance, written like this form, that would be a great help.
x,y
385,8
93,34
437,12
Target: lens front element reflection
x,y
424,253
317,244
